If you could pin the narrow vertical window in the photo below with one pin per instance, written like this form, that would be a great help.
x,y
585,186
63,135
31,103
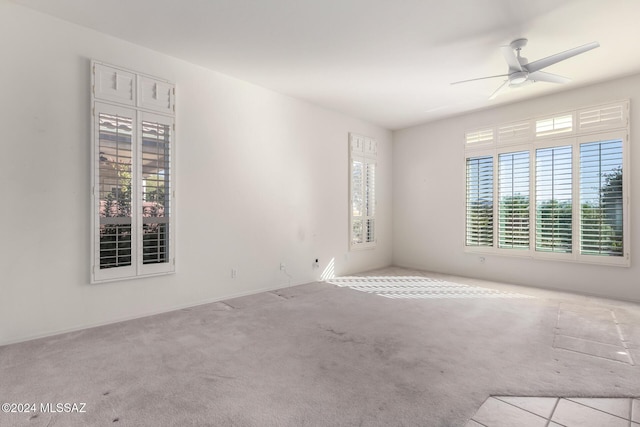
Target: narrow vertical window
x,y
513,204
156,203
362,186
370,202
115,172
479,211
601,198
357,202
554,200
132,175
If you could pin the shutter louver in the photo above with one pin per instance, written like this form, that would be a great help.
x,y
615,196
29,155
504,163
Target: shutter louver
x,y
554,200
479,210
601,198
513,205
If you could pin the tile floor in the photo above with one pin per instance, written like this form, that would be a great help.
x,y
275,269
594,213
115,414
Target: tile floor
x,y
512,411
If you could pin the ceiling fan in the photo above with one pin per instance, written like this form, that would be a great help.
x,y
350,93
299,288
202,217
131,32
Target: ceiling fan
x,y
522,72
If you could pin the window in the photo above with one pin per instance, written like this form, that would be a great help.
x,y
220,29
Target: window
x,y
481,136
513,203
554,200
601,198
560,193
480,201
132,175
554,125
362,212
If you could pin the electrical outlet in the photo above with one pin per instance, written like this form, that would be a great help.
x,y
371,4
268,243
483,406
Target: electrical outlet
x,y
282,266
234,273
482,260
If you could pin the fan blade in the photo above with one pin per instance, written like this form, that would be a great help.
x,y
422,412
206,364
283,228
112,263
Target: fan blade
x,y
541,76
481,78
500,89
550,60
511,58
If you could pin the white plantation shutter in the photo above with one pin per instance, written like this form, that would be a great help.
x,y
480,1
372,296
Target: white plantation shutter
x,y
513,204
554,125
558,184
554,199
155,95
514,133
363,153
479,214
479,137
114,192
603,117
133,233
601,198
357,201
370,202
156,200
114,84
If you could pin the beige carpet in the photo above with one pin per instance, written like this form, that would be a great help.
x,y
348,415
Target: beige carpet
x,y
327,355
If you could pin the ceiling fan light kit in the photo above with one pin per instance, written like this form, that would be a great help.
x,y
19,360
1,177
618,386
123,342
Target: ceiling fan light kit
x,y
522,72
518,77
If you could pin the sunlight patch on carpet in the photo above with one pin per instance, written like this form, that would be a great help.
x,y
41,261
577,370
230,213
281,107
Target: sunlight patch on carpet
x,y
417,287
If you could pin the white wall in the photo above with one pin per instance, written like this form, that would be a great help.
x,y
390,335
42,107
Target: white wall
x,y
429,198
261,179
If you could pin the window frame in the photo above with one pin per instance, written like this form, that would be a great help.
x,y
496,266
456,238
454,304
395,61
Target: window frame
x,y
608,131
143,99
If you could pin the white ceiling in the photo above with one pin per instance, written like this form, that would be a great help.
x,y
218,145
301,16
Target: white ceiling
x,y
386,61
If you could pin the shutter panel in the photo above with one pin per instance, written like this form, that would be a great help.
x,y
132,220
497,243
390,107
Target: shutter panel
x,y
357,201
603,117
514,132
370,202
112,84
554,200
114,178
513,205
601,198
479,210
155,94
357,144
370,147
156,190
479,137
362,190
554,125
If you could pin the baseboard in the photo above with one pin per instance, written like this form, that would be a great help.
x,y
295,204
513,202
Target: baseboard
x,y
143,315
